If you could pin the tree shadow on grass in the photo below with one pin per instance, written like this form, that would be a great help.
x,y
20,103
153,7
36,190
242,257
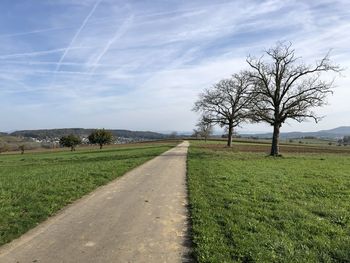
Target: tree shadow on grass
x,y
188,255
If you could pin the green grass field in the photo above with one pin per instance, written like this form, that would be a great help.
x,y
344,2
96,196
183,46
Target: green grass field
x,y
34,186
247,207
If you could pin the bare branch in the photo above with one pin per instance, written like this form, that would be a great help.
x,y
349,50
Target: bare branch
x,y
285,88
228,102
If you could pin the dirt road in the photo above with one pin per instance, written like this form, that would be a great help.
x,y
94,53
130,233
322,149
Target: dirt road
x,y
140,217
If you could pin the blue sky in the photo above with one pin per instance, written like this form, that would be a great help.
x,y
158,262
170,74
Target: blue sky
x,y
141,64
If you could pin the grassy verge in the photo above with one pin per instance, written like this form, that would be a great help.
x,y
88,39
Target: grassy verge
x,y
247,207
35,186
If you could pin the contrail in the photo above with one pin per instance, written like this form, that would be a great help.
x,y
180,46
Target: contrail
x,y
36,53
46,62
77,34
121,30
49,72
33,32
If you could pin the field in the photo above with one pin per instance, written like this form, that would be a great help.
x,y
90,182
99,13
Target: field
x,y
34,186
248,207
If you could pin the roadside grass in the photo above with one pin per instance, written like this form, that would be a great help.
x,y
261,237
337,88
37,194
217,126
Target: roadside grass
x,y
247,207
35,186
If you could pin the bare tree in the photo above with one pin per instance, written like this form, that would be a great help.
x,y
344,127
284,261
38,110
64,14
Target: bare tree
x,y
286,88
226,103
22,148
204,127
3,147
196,134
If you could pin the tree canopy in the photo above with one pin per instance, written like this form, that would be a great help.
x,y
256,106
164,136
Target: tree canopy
x,y
286,88
100,137
278,86
70,141
226,103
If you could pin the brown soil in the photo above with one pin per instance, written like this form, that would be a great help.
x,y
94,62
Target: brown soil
x,y
284,148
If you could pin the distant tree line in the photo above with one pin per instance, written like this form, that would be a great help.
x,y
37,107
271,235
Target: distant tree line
x,y
25,140
58,133
276,87
100,137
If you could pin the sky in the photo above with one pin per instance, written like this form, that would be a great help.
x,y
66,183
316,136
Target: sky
x,y
140,65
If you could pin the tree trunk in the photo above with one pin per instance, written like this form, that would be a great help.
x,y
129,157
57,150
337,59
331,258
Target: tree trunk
x,y
229,137
275,140
101,145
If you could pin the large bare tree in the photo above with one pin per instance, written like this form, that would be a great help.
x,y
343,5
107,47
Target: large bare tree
x,y
226,103
286,88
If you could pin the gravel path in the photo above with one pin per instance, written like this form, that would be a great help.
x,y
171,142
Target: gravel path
x,y
140,217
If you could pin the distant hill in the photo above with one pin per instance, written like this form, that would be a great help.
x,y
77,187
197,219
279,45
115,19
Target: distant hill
x,y
324,134
342,130
56,133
